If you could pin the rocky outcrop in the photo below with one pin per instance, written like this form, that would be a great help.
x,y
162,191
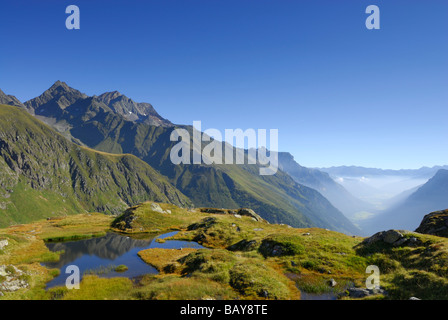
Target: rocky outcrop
x,y
12,279
362,292
128,221
244,245
435,223
3,244
237,213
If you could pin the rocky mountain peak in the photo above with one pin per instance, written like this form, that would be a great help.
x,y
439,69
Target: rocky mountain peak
x,y
56,98
60,88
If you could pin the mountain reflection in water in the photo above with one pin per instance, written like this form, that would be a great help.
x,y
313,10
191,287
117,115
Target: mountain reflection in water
x,y
107,252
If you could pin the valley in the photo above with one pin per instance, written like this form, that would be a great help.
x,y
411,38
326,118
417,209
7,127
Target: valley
x,y
89,181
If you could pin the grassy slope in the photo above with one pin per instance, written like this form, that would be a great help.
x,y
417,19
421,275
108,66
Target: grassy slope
x,y
249,272
42,174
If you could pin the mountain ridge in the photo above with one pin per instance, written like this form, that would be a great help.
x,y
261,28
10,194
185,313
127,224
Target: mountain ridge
x,y
43,174
276,198
358,171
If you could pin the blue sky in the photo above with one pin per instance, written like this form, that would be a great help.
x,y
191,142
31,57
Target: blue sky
x,y
339,94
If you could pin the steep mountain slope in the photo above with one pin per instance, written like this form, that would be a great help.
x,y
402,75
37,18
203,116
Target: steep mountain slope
x,y
430,197
277,198
99,124
43,174
322,182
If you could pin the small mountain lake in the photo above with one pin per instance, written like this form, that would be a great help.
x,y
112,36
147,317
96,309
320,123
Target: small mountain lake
x,y
101,255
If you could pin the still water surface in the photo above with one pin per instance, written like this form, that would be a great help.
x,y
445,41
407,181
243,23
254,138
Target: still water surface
x,y
101,255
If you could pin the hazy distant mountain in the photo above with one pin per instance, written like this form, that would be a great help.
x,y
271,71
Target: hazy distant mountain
x,y
322,182
432,196
355,171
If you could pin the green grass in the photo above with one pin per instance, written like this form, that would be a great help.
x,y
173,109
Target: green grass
x,y
419,270
174,287
94,288
59,178
276,265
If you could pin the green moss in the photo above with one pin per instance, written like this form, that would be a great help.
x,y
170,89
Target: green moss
x,y
121,268
257,280
173,287
281,245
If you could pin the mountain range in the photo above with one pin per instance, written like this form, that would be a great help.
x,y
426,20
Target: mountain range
x,y
322,182
106,127
42,174
356,171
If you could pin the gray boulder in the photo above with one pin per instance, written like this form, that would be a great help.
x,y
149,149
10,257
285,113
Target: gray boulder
x,y
3,243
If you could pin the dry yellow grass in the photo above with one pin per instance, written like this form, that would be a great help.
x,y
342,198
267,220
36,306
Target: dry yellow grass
x,y
161,258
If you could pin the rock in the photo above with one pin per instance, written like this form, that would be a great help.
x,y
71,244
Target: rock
x,y
435,223
237,216
277,250
361,292
156,207
307,234
258,229
3,243
244,245
250,213
358,292
13,280
332,283
263,294
213,210
392,236
208,298
400,242
204,223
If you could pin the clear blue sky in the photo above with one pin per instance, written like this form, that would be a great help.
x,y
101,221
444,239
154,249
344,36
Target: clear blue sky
x,y
339,94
